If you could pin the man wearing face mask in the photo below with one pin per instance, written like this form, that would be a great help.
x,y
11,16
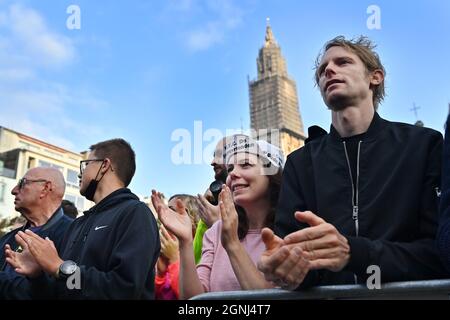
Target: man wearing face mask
x,y
108,253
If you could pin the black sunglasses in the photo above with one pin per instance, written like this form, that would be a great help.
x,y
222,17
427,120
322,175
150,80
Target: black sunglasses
x,y
22,182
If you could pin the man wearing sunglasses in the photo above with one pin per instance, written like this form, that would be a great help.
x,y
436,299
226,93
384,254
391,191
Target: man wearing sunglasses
x,y
38,197
108,253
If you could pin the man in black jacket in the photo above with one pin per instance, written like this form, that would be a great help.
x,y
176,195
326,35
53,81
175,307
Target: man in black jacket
x,y
443,237
37,196
108,253
361,198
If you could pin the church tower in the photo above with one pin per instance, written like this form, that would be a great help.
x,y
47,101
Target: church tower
x,y
273,98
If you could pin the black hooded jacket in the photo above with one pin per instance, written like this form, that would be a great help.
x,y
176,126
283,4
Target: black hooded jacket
x,y
116,245
393,224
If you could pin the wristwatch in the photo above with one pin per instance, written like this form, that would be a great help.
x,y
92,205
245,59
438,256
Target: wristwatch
x,y
66,269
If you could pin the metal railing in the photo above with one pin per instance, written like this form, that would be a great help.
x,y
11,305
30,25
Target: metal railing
x,y
429,289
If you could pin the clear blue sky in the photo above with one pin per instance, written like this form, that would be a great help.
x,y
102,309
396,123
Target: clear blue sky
x,y
142,69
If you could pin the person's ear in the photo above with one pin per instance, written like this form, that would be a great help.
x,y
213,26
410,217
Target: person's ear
x,y
106,165
48,187
376,77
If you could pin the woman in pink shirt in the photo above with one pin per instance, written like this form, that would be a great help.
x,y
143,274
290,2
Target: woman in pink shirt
x,y
233,245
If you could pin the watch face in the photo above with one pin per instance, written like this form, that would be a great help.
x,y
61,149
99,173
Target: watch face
x,y
68,267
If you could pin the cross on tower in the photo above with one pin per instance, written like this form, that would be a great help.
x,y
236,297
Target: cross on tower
x,y
414,109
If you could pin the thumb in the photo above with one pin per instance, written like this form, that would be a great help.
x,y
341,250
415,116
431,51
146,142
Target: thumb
x,y
270,239
309,218
222,210
181,209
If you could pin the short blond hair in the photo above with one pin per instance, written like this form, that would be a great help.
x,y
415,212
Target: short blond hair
x,y
363,47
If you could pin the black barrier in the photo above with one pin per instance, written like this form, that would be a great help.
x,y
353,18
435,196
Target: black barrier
x,y
429,289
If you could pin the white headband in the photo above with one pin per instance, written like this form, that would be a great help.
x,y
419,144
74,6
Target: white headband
x,y
242,143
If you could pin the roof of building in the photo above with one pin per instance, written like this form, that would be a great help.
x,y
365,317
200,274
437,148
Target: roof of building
x,y
40,142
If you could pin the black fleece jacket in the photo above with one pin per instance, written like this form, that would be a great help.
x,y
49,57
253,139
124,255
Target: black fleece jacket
x,y
116,245
394,223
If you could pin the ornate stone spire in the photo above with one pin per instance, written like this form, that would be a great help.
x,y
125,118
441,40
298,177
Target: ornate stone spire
x,y
270,39
270,61
273,98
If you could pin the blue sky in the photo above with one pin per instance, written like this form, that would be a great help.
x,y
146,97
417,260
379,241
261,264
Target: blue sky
x,y
142,69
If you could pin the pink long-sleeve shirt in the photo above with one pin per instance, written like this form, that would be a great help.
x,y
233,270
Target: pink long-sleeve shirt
x,y
215,270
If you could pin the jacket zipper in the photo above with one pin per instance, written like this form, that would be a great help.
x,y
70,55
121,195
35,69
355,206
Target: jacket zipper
x,y
355,191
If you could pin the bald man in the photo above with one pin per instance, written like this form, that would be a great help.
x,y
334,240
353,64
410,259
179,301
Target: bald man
x,y
38,197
